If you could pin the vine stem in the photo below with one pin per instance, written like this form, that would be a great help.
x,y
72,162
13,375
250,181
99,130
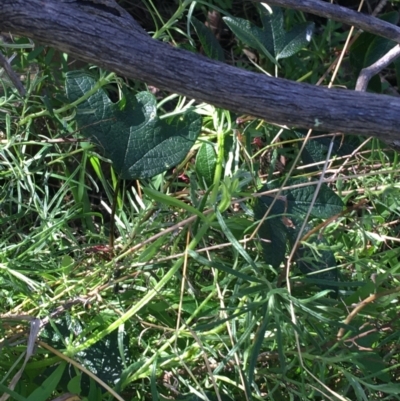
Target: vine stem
x,y
113,209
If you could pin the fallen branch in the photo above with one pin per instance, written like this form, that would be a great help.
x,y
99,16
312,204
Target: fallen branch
x,y
109,38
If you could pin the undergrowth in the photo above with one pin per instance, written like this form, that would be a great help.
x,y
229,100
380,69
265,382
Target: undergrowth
x,y
263,264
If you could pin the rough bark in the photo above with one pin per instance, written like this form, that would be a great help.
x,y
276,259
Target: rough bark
x,y
103,34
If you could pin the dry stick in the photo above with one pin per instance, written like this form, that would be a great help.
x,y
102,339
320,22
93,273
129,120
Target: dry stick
x,y
377,10
362,305
325,223
367,73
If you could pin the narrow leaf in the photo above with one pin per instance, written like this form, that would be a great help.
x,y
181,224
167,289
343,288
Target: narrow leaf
x,y
210,44
44,391
224,267
171,201
206,161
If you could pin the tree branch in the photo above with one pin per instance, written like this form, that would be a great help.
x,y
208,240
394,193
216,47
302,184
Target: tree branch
x,y
342,14
114,41
368,72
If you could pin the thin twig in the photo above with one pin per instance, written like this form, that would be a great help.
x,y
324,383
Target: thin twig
x,y
368,72
362,305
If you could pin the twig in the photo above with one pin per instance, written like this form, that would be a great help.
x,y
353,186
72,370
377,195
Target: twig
x,y
362,305
368,72
377,10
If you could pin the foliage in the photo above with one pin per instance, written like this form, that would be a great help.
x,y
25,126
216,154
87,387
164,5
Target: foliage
x,y
368,49
153,248
138,143
272,40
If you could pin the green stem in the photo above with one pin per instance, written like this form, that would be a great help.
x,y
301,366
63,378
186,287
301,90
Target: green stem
x,y
100,83
114,208
178,13
220,158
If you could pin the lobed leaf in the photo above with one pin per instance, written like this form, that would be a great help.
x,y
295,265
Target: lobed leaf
x,y
139,144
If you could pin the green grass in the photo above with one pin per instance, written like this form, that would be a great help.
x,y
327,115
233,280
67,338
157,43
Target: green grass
x,y
183,304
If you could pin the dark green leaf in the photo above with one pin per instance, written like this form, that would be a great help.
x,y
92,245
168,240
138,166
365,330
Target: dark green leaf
x,y
49,385
271,40
275,23
272,233
371,362
103,358
298,38
206,161
316,149
139,144
299,199
289,211
319,269
210,44
377,49
253,36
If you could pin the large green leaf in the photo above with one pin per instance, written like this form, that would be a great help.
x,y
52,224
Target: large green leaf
x,y
321,270
106,358
255,37
295,40
371,362
298,199
139,144
271,40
